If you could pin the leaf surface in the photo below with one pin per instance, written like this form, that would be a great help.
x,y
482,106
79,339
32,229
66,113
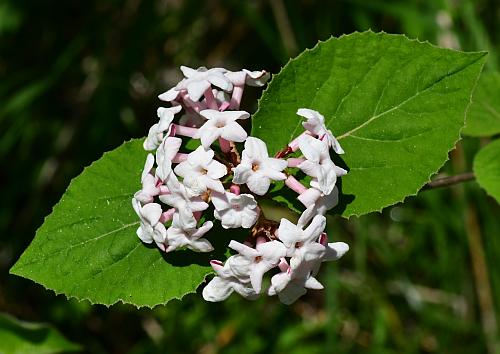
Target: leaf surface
x,y
19,337
483,117
87,247
487,169
395,105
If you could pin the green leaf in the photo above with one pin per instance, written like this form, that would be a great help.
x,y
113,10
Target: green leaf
x,y
87,247
483,117
396,106
487,169
19,337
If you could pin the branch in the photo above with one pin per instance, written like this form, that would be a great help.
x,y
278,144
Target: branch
x,y
449,181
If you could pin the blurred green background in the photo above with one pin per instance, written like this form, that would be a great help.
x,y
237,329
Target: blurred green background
x,y
78,78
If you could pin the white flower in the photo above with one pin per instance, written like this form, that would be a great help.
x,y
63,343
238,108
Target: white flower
x,y
165,154
318,163
200,80
316,125
151,228
263,257
156,132
178,237
301,244
201,172
149,183
257,169
333,251
317,203
221,124
226,281
290,285
179,198
251,78
235,210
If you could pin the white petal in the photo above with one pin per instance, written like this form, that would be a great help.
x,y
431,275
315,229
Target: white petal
x,y
255,148
151,213
189,72
201,245
216,170
313,283
257,78
335,250
217,290
278,283
208,134
272,251
243,249
150,161
220,201
234,132
242,173
170,95
144,236
310,168
316,227
196,88
220,81
289,233
258,184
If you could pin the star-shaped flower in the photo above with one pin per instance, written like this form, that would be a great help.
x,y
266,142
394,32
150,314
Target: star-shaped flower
x,y
221,125
265,256
178,237
200,80
289,285
151,229
318,163
201,172
316,125
156,132
257,169
235,210
301,243
227,281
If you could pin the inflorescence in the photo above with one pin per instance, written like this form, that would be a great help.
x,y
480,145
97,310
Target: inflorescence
x,y
172,200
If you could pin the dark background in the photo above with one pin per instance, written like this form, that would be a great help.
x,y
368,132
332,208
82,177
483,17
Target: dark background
x,y
77,78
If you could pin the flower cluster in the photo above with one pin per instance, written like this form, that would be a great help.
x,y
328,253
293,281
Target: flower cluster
x,y
179,189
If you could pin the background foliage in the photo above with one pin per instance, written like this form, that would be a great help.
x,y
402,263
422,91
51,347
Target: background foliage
x,y
77,79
